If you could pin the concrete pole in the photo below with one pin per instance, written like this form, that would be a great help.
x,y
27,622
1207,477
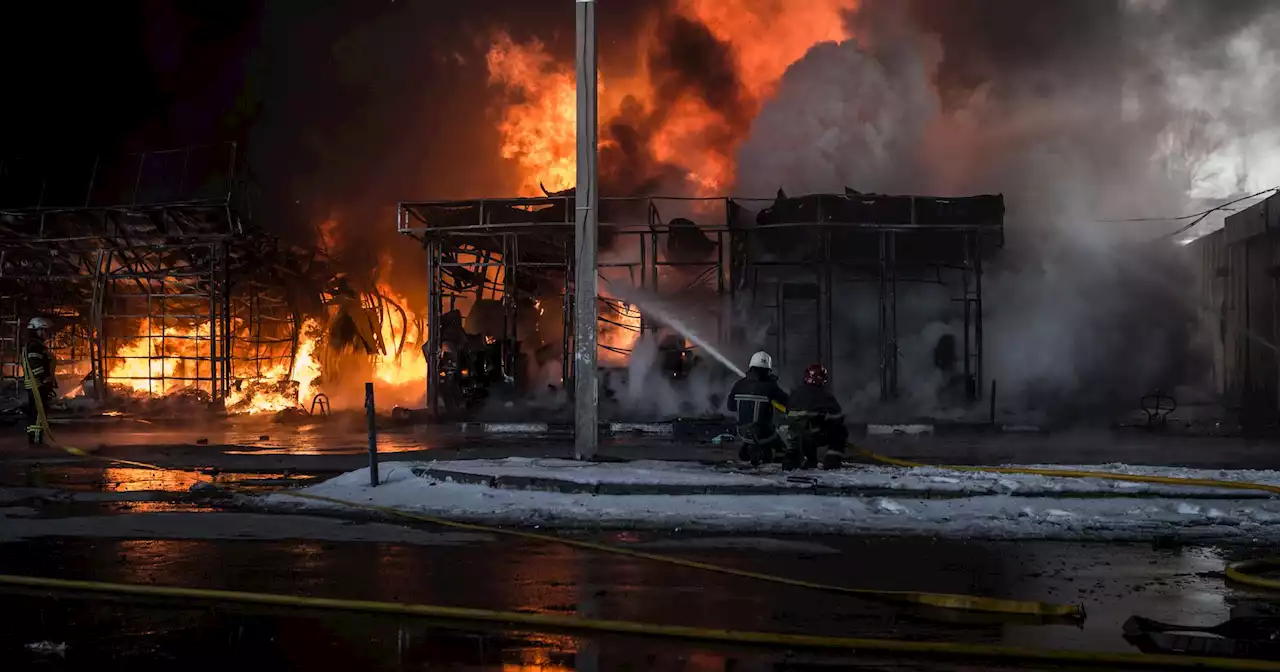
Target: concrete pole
x,y
587,194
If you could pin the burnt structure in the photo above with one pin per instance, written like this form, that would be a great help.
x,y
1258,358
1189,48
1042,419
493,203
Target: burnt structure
x,y
155,279
1239,268
786,258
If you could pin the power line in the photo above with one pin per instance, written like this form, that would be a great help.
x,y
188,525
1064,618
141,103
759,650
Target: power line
x,y
1191,216
1201,216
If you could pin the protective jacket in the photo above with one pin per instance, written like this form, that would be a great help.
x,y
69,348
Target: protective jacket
x,y
815,400
753,396
39,363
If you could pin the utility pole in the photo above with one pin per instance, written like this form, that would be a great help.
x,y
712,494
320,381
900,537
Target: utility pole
x,y
587,208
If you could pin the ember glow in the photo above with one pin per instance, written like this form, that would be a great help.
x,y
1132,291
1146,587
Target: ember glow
x,y
161,361
619,330
166,361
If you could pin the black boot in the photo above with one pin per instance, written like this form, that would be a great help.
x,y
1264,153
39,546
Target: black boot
x,y
832,460
810,456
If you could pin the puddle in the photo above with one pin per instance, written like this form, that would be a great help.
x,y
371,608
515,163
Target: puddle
x,y
77,478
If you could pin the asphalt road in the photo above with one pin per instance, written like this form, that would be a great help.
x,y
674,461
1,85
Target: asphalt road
x,y
113,533
339,444
310,555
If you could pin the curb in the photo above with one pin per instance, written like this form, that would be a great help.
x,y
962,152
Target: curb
x,y
705,429
678,429
796,488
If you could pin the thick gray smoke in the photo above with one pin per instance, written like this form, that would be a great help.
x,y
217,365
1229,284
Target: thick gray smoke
x,y
1077,112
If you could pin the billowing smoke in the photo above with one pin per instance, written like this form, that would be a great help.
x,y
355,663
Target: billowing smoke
x,y
1078,113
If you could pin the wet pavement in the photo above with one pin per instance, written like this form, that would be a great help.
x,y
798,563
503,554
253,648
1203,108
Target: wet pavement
x,y
430,566
74,519
340,443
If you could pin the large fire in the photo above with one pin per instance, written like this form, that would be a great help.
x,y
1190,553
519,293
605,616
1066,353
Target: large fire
x,y
537,124
160,362
692,133
539,109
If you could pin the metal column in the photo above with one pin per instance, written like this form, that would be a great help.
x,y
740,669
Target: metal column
x,y
435,302
586,410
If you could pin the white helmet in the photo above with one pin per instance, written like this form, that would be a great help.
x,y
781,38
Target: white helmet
x,y
39,323
761,360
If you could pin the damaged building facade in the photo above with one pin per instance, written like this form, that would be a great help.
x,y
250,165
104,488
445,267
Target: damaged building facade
x,y
156,281
1239,268
774,274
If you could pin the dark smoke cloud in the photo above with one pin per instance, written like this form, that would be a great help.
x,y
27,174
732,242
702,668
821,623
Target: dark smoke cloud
x,y
686,60
1077,112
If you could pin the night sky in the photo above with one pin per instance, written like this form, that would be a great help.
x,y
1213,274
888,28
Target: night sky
x,y
353,105
340,104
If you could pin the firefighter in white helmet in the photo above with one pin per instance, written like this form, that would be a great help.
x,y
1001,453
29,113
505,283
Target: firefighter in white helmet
x,y
753,399
38,376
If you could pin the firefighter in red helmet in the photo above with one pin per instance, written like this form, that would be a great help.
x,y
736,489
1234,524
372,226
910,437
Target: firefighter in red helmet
x,y
816,421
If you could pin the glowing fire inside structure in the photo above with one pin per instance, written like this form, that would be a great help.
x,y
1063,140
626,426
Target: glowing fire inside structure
x,y
693,133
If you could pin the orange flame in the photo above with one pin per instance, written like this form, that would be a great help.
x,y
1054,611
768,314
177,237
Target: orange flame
x,y
767,36
538,128
158,363
538,116
407,364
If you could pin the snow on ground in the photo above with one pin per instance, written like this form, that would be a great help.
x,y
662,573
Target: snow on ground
x,y
924,479
995,516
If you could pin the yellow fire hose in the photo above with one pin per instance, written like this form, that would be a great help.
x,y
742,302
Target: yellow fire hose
x,y
1065,473
937,600
1245,573
578,624
1071,473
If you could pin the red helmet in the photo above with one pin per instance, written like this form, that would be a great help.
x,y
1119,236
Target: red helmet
x,y
815,375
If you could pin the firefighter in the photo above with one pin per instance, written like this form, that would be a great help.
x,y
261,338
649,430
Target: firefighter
x,y
753,399
815,420
38,377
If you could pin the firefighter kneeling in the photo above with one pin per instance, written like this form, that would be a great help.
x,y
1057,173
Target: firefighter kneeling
x,y
753,399
815,420
38,377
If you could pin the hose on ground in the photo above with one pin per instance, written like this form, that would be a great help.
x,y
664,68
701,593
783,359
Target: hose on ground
x,y
937,600
578,624
1246,573
1073,473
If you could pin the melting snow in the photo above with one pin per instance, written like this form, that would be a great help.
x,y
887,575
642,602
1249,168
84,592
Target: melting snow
x,y
981,505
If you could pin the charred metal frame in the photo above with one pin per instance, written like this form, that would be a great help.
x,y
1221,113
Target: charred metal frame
x,y
149,246
739,273
498,225
828,267
538,246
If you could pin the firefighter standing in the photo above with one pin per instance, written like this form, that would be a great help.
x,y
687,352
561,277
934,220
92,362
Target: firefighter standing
x,y
816,420
753,398
38,377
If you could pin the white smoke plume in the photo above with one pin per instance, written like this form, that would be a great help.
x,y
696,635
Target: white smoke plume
x,y
1121,110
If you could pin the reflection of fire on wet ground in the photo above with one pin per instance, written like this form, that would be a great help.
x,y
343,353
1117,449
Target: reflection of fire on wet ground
x,y
75,478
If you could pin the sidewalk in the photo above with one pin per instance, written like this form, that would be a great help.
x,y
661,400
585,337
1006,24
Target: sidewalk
x,y
652,477
864,500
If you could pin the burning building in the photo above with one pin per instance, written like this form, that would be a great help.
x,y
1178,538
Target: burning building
x,y
161,289
1077,113
499,264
